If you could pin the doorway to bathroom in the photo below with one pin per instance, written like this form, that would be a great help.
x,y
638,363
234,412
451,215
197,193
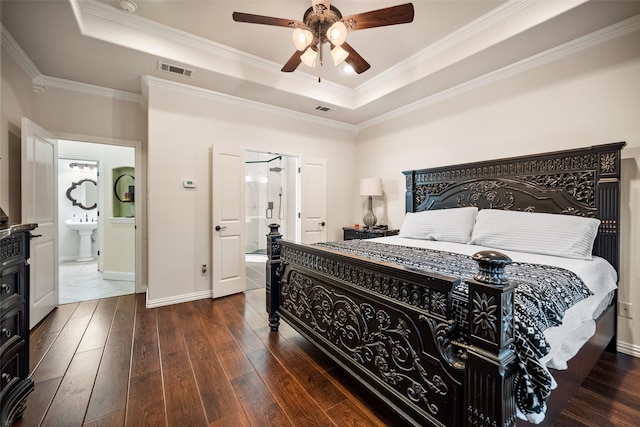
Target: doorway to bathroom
x,y
96,212
271,196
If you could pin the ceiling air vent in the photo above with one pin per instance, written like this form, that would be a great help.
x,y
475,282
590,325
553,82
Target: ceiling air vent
x,y
163,66
323,108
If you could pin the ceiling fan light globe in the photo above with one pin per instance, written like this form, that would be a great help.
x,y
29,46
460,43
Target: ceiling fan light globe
x,y
302,38
339,55
337,33
308,58
348,69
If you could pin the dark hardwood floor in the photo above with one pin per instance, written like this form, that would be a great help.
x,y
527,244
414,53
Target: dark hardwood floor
x,y
113,362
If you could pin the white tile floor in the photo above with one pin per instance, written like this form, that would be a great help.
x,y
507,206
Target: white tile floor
x,y
81,281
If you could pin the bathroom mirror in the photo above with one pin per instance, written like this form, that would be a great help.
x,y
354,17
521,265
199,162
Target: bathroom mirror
x,y
123,188
84,194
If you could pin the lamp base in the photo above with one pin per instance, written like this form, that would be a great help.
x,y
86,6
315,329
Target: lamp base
x,y
370,219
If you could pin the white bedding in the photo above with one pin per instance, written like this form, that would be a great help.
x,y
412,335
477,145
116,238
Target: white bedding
x,y
578,324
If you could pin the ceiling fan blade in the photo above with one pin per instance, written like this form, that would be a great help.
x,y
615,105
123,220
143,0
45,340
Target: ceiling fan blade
x,y
401,14
292,63
354,59
267,20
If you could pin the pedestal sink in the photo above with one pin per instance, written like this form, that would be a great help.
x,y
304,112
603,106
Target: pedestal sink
x,y
85,229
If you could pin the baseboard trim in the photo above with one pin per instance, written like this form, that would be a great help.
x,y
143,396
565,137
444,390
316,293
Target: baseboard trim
x,y
627,348
73,258
160,302
119,275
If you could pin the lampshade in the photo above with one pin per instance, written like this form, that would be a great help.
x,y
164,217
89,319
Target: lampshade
x,y
302,38
337,33
338,54
371,187
309,57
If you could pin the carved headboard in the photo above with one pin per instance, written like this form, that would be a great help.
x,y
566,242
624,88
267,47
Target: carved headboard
x,y
584,182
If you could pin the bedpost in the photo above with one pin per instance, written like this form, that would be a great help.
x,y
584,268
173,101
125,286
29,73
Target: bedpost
x,y
272,277
409,193
490,365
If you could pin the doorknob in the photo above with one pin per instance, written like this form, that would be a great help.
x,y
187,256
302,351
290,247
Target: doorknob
x,y
218,228
321,223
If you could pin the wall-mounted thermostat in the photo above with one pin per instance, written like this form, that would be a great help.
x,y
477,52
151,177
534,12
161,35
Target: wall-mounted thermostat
x,y
188,183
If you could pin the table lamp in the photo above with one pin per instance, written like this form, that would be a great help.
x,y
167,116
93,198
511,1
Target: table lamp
x,y
370,187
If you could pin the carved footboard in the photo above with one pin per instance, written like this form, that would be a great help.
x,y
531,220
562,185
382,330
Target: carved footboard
x,y
391,328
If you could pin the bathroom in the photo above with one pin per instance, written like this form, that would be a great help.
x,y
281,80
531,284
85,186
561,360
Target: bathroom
x,y
96,220
271,197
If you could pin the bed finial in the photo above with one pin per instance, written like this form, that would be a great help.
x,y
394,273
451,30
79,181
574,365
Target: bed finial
x,y
491,359
491,266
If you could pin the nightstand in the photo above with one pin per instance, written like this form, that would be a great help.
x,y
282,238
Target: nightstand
x,y
351,233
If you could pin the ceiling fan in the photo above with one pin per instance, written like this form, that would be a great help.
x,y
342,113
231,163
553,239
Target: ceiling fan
x,y
323,23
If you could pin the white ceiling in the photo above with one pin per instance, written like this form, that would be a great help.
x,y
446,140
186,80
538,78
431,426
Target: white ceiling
x,y
449,46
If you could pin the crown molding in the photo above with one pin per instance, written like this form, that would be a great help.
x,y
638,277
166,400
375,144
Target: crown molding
x,y
89,89
40,81
473,28
186,89
111,14
13,48
596,38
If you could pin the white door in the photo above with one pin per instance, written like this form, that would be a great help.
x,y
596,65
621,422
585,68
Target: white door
x,y
228,234
40,206
314,200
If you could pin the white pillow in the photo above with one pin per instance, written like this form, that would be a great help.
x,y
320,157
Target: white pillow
x,y
446,225
548,234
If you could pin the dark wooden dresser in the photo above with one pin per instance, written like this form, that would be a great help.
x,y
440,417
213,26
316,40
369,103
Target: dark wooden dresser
x,y
351,233
15,384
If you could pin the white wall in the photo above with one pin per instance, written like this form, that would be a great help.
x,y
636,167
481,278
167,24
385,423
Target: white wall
x,y
587,99
184,123
16,101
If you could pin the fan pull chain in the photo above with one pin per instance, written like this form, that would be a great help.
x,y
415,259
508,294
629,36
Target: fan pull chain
x,y
320,53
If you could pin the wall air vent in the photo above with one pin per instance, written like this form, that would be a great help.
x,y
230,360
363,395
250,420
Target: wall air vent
x,y
323,108
163,66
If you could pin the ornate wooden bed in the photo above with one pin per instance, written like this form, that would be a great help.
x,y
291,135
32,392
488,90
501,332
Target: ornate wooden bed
x,y
391,327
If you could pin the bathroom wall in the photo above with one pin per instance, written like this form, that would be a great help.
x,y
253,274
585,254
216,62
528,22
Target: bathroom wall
x,y
119,232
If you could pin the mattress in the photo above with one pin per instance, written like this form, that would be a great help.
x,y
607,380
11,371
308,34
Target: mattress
x,y
578,324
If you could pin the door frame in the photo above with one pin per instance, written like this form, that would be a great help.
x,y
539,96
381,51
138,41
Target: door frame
x,y
141,195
